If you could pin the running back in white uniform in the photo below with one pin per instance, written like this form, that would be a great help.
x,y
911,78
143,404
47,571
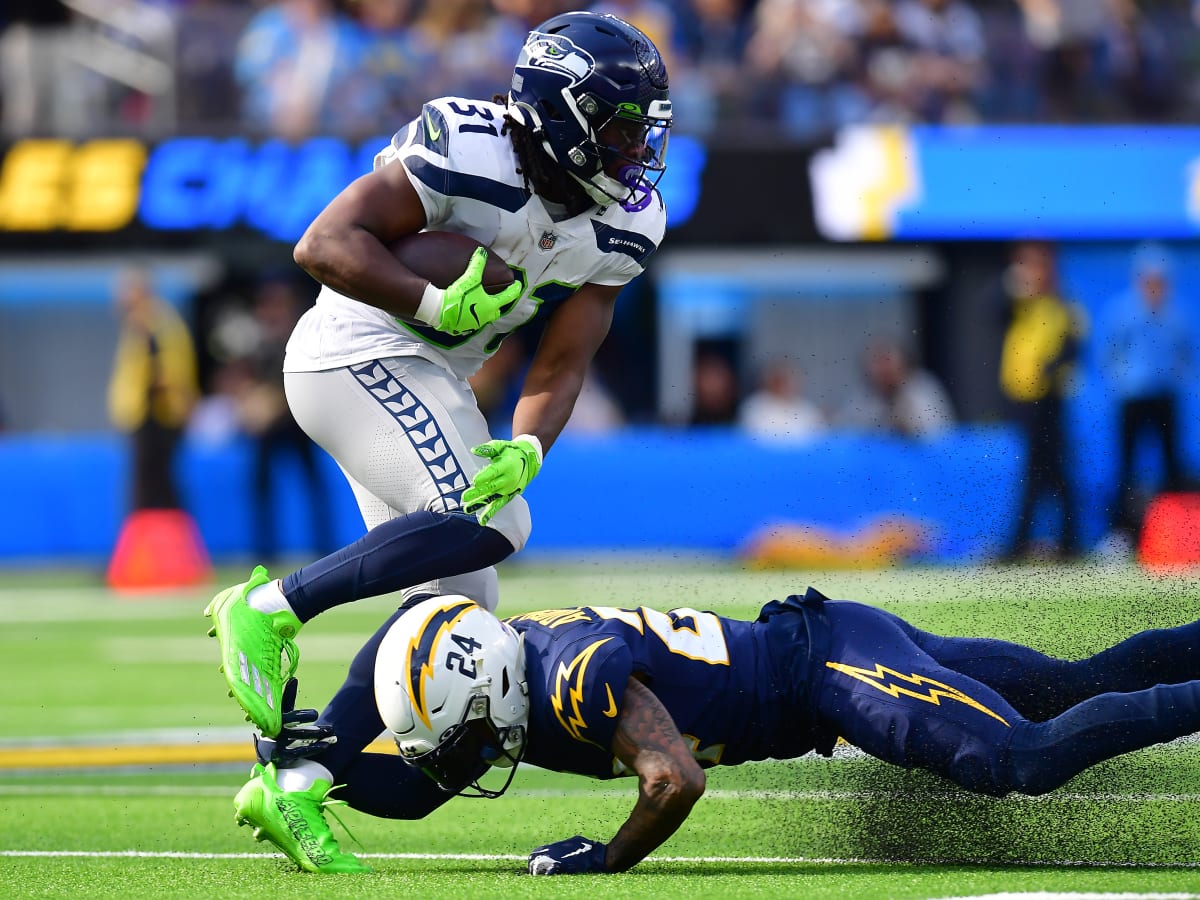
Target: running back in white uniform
x,y
389,398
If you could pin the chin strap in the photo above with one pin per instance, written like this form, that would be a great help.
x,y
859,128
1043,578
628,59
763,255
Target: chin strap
x,y
597,193
519,114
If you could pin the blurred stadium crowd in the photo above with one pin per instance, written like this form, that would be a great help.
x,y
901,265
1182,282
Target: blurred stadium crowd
x,y
800,68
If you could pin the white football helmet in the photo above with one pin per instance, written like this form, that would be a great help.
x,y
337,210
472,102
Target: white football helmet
x,y
450,686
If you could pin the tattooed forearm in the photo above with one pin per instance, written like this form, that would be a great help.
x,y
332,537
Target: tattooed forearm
x,y
669,779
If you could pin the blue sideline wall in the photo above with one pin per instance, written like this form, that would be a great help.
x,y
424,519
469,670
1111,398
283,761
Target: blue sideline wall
x,y
640,490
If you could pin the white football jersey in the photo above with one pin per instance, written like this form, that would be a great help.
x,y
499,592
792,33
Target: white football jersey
x,y
465,172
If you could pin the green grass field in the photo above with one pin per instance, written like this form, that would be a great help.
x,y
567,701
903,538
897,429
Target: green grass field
x,y
120,754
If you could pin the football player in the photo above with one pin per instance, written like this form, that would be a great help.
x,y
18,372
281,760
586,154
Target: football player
x,y
603,691
559,179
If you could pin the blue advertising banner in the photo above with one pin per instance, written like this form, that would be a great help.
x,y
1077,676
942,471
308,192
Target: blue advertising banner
x,y
996,183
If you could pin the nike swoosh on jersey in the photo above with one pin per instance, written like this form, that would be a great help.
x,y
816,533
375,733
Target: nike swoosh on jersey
x,y
435,133
612,704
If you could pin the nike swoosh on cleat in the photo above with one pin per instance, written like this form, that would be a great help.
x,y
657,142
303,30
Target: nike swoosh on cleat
x,y
584,849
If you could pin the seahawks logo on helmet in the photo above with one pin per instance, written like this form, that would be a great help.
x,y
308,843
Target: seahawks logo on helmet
x,y
557,54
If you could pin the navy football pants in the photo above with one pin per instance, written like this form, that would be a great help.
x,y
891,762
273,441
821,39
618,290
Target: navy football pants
x,y
996,717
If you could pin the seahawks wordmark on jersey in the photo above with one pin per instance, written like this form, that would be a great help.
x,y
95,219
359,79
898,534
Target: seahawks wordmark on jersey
x,y
465,172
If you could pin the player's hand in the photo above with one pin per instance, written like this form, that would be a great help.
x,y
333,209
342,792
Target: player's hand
x,y
300,736
513,465
574,856
467,306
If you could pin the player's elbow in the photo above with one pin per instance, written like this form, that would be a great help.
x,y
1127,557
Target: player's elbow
x,y
693,785
310,253
676,790
326,246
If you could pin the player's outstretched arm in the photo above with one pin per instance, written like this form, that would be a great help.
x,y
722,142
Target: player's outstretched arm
x,y
670,782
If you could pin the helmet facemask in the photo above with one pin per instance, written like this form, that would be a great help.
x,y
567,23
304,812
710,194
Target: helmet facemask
x,y
467,749
627,151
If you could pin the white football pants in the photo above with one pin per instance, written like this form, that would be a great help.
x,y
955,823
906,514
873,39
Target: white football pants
x,y
402,429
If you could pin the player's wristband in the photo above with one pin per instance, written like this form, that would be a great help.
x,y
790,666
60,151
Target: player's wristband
x,y
430,310
533,440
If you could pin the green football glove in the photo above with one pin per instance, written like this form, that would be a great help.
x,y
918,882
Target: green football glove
x,y
465,306
513,465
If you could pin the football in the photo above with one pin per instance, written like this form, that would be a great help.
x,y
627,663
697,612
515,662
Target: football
x,y
442,256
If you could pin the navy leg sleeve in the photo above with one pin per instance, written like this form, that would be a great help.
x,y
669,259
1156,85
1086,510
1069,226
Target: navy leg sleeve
x,y
1041,756
383,785
397,554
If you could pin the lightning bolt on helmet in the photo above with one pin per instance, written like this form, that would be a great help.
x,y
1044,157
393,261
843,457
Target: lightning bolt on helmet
x,y
594,90
450,687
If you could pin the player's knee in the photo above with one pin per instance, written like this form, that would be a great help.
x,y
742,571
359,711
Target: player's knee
x,y
1032,776
693,786
980,773
482,586
1028,765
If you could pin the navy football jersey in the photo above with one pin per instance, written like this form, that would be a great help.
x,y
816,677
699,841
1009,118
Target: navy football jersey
x,y
735,689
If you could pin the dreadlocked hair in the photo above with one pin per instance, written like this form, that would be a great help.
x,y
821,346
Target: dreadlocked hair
x,y
539,172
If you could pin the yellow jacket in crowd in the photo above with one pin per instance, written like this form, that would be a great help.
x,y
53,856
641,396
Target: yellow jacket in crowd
x,y
155,369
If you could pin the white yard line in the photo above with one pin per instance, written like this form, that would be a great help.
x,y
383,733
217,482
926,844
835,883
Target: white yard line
x,y
502,857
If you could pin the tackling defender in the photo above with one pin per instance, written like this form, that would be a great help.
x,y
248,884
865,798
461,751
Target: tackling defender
x,y
559,179
602,691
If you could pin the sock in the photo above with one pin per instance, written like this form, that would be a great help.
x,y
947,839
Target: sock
x,y
300,775
269,598
397,554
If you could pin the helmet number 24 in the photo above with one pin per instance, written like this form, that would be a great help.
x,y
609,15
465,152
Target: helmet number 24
x,y
458,661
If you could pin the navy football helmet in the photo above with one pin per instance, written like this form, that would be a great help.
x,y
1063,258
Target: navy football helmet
x,y
594,90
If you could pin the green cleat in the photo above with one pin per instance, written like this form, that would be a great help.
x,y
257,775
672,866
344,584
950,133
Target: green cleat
x,y
252,647
294,821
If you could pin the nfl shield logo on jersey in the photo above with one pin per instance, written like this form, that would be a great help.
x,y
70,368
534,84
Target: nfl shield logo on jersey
x,y
547,240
